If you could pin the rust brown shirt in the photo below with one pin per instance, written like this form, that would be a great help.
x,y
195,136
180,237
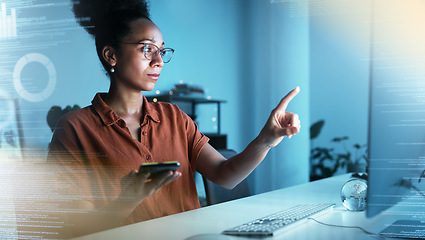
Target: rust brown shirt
x,y
94,150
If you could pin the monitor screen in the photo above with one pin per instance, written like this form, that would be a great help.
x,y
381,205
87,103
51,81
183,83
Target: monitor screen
x,y
397,110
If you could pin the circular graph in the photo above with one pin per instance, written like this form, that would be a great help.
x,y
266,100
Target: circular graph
x,y
45,61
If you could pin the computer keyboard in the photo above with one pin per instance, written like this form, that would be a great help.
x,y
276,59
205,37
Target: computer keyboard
x,y
281,221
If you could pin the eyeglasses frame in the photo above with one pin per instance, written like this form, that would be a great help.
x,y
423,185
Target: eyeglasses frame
x,y
156,52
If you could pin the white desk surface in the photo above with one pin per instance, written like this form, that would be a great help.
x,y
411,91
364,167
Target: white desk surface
x,y
207,223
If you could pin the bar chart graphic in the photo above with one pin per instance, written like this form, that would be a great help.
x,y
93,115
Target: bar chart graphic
x,y
7,22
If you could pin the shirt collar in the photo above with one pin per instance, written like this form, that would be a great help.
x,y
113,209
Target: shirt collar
x,y
150,111
109,117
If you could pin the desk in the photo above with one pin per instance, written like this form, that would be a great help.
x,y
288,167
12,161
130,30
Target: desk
x,y
207,223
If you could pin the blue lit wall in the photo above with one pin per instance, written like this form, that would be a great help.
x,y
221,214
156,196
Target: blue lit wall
x,y
207,38
340,45
250,53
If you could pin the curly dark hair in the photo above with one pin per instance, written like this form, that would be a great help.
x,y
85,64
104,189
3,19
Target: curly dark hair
x,y
109,21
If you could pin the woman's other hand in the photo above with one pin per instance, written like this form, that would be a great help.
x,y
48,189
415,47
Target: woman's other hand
x,y
137,186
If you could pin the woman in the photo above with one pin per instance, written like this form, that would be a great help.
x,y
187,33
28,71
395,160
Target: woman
x,y
99,148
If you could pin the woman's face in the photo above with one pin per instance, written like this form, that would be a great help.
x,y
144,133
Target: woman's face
x,y
132,69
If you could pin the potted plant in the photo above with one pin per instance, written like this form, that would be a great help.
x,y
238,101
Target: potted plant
x,y
56,112
326,161
354,162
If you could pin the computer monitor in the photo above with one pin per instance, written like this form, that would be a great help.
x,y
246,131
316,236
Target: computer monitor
x,y
396,144
396,169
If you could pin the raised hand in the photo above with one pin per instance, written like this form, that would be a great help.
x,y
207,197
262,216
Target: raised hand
x,y
280,122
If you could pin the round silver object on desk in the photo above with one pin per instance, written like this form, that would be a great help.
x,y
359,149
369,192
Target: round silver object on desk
x,y
353,195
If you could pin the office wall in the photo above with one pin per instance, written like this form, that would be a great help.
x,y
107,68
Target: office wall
x,y
206,36
339,70
279,61
243,52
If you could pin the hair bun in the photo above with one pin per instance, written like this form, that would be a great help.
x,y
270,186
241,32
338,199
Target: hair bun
x,y
92,14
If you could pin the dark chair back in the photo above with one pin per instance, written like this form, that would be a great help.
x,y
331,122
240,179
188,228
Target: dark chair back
x,y
217,194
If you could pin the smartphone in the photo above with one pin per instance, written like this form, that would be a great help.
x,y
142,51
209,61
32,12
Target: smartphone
x,y
154,168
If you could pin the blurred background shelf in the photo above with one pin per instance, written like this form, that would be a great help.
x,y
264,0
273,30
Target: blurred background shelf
x,y
188,104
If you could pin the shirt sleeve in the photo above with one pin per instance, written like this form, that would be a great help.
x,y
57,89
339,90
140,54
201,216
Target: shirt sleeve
x,y
68,161
196,141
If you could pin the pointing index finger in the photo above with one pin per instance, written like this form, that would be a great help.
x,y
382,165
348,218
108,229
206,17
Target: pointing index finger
x,y
285,100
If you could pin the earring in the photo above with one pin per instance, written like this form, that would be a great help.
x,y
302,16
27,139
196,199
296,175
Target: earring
x,y
112,70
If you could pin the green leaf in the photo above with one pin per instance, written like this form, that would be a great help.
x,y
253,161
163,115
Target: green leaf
x,y
317,155
316,128
75,107
327,172
67,109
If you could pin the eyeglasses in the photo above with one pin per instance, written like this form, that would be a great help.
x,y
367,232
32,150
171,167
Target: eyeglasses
x,y
151,51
